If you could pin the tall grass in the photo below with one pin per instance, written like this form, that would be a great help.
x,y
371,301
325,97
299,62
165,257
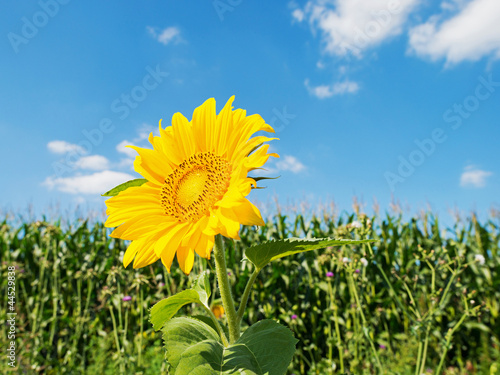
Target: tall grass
x,y
423,303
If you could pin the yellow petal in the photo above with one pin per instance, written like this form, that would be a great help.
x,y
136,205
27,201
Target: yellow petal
x,y
244,149
246,213
131,252
146,255
139,226
183,134
167,245
228,227
223,122
212,227
142,250
258,158
246,128
145,260
167,144
152,164
204,246
203,122
119,216
185,257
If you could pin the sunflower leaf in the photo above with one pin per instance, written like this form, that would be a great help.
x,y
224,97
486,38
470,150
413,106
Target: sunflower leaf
x,y
124,186
193,347
202,287
165,310
263,254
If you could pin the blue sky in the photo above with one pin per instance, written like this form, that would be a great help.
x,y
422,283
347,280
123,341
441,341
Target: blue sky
x,y
370,98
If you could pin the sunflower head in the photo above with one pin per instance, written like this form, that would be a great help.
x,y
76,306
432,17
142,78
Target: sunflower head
x,y
197,183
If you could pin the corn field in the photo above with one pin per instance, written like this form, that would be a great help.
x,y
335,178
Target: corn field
x,y
423,297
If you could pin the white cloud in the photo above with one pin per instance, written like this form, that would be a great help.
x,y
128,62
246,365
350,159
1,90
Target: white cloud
x,y
122,147
62,147
472,33
169,35
126,163
290,163
353,26
93,162
474,177
298,15
97,183
143,133
337,88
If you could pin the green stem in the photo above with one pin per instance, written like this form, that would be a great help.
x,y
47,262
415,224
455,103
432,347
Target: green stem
x,y
124,336
217,326
117,340
335,309
225,289
419,357
391,288
246,295
448,340
139,360
365,324
424,354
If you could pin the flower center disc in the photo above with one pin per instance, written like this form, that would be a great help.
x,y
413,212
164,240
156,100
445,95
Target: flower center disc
x,y
194,186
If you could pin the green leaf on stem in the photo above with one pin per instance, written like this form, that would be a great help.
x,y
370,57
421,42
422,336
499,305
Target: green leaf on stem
x,y
202,286
194,348
124,186
263,254
165,310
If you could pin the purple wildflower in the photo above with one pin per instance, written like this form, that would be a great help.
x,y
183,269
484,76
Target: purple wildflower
x,y
294,317
357,271
329,274
126,298
382,346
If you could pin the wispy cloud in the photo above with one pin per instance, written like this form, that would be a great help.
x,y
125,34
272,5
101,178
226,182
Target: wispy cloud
x,y
474,177
63,147
353,26
298,15
92,162
166,36
108,172
96,183
143,133
290,163
337,88
470,34
122,147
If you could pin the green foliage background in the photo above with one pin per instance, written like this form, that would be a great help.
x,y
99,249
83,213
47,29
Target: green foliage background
x,y
72,319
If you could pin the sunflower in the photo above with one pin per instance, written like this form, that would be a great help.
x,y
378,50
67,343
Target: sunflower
x,y
197,181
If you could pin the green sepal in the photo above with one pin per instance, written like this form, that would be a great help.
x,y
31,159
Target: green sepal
x,y
124,186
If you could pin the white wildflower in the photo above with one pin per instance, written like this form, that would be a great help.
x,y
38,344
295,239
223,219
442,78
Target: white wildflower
x,y
364,262
346,260
356,224
480,259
